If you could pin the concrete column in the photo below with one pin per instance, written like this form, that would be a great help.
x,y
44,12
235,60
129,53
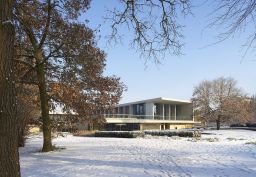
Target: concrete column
x,y
153,111
193,113
141,126
163,111
175,112
169,112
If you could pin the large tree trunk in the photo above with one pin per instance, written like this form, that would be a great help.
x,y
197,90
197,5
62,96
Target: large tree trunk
x,y
47,145
218,122
9,155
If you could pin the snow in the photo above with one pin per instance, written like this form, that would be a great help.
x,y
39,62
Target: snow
x,y
219,153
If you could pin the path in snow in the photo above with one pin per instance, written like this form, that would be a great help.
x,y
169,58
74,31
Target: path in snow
x,y
150,156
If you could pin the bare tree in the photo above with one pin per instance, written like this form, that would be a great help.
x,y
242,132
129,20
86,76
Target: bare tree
x,y
222,101
154,24
202,98
9,157
254,107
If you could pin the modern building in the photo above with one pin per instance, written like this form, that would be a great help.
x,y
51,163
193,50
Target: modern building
x,y
152,114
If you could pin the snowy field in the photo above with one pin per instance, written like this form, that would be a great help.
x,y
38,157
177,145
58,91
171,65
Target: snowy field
x,y
220,153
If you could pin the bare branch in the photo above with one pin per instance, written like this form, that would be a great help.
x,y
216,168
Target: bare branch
x,y
154,24
54,51
235,16
28,30
46,29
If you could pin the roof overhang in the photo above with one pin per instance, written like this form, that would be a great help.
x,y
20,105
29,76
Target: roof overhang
x,y
158,100
132,120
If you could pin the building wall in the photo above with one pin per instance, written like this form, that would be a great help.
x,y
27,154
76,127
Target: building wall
x,y
150,126
165,126
179,126
124,127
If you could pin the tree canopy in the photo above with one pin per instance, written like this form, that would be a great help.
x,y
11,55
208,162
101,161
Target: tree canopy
x,y
56,52
221,100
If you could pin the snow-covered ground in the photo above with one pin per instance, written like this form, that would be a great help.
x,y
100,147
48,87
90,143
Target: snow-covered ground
x,y
222,153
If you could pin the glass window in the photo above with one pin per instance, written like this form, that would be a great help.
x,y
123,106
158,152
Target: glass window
x,y
178,110
139,109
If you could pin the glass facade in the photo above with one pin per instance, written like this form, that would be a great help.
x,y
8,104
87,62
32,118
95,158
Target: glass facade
x,y
170,112
159,111
139,109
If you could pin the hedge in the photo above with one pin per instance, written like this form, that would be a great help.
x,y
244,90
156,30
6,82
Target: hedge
x,y
119,134
134,134
180,133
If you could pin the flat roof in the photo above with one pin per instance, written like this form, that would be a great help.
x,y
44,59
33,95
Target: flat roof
x,y
157,100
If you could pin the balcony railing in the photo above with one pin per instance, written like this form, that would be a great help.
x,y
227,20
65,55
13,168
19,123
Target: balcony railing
x,y
155,117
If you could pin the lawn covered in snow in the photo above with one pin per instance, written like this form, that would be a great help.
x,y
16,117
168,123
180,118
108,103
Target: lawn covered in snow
x,y
219,153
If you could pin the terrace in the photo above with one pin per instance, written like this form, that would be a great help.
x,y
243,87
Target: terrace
x,y
148,117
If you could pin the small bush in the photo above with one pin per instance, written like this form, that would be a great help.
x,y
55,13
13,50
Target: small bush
x,y
251,142
231,139
212,139
196,139
176,137
238,125
251,125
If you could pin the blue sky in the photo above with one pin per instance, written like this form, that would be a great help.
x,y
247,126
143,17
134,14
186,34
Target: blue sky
x,y
177,75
